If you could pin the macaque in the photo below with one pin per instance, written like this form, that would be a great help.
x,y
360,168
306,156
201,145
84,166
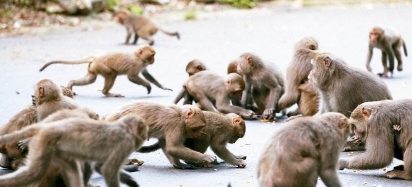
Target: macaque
x,y
298,89
264,84
171,124
343,88
195,66
213,93
70,142
305,149
232,67
220,130
390,43
111,65
385,126
140,26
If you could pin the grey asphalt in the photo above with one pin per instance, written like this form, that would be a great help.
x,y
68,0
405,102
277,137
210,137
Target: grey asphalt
x,y
270,33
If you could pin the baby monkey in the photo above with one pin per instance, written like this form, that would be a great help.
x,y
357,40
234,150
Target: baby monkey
x,y
140,26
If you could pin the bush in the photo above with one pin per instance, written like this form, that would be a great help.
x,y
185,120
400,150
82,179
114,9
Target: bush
x,y
111,4
136,10
240,3
191,15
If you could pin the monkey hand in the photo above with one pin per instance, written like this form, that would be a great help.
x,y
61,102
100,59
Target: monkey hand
x,y
343,164
149,89
249,115
208,160
23,146
269,114
241,164
164,88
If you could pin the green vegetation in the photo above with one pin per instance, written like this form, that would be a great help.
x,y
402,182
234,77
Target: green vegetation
x,y
111,4
240,3
191,15
135,9
5,13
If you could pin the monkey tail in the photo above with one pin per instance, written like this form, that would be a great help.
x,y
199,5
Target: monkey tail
x,y
150,148
180,95
404,48
171,33
20,135
87,60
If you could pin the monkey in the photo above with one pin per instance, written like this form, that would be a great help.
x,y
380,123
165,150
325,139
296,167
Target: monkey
x,y
111,65
297,86
213,93
67,92
220,130
335,81
390,43
307,147
267,83
232,67
385,127
65,143
195,66
140,26
170,124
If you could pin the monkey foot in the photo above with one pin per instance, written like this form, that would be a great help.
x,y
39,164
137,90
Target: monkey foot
x,y
185,166
397,174
134,162
383,75
113,95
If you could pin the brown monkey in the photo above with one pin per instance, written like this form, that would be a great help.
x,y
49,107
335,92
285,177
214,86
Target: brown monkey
x,y
335,81
232,67
304,149
140,26
195,66
220,130
390,43
171,124
385,126
66,142
263,81
111,65
297,86
213,93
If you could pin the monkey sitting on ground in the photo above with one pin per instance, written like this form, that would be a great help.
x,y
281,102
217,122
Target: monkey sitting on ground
x,y
111,65
298,89
140,26
66,143
305,149
264,84
213,93
220,129
390,43
47,100
385,126
171,124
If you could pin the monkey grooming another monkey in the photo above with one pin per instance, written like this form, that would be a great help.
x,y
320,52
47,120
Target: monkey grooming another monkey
x,y
336,81
220,129
385,126
111,65
305,149
390,43
66,142
140,26
215,94
264,84
171,124
298,89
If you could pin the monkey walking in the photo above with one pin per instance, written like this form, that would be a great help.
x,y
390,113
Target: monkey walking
x,y
305,149
67,143
111,65
140,27
390,43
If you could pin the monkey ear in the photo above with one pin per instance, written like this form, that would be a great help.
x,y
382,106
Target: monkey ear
x,y
237,120
312,47
249,60
366,112
199,67
327,61
189,113
343,123
228,82
41,91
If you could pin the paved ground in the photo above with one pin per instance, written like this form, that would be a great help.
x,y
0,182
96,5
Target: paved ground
x,y
270,34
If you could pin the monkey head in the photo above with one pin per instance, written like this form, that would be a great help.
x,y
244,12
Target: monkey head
x,y
239,127
359,120
121,16
146,53
136,124
232,67
338,120
195,121
247,63
195,66
324,66
235,85
47,90
307,43
376,34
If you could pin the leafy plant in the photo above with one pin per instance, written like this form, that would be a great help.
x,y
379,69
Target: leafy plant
x,y
240,3
191,15
135,9
111,4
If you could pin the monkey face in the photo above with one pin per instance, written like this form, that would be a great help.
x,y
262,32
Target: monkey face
x,y
374,37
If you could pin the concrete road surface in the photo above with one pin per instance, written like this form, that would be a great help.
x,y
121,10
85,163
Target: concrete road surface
x,y
269,33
